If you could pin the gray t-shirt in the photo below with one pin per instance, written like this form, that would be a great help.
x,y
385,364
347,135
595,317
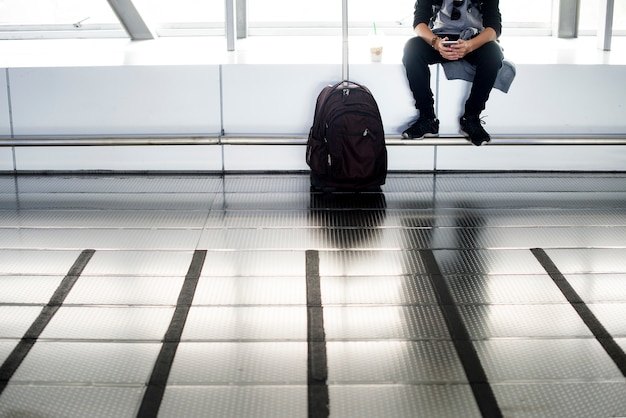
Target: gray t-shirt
x,y
470,17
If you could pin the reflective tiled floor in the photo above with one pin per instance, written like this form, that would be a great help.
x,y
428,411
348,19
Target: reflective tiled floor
x,y
455,295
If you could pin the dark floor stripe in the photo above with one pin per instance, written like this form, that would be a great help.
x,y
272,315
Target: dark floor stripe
x,y
483,393
155,390
21,350
317,367
595,326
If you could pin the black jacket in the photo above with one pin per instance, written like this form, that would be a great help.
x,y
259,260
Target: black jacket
x,y
490,10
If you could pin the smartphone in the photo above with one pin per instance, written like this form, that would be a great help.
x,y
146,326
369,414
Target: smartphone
x,y
448,43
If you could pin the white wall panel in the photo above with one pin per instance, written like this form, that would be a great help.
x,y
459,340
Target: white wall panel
x,y
5,121
121,158
6,159
280,99
391,90
540,157
450,103
6,153
264,157
561,99
273,99
546,99
407,157
129,100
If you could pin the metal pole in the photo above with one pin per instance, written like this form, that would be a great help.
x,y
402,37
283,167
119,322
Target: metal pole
x,y
344,35
567,15
242,19
230,25
131,20
605,26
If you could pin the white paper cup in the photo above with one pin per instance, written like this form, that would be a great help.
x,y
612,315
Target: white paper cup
x,y
375,42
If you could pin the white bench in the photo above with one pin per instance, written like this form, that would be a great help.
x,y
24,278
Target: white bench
x,y
146,114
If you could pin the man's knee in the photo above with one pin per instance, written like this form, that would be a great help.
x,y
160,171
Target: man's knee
x,y
413,49
488,56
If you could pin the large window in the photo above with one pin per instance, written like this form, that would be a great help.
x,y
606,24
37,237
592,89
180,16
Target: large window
x,y
78,18
590,15
360,11
184,17
389,13
55,12
528,14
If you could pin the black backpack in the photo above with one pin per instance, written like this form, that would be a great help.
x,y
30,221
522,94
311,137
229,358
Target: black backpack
x,y
346,145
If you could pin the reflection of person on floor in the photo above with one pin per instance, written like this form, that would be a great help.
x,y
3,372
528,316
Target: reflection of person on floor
x,y
474,26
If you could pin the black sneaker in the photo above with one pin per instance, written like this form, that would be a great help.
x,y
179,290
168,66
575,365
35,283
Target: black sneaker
x,y
422,128
471,128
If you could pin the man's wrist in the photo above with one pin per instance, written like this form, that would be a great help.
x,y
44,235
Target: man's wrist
x,y
433,41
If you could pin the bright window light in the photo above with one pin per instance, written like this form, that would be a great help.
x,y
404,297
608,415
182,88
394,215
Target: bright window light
x,y
273,16
56,12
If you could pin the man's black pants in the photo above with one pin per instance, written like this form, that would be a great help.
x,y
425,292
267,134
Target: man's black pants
x,y
418,55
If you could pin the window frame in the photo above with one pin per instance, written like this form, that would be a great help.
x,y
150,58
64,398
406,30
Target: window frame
x,y
220,28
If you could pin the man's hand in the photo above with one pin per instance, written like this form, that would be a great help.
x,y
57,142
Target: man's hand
x,y
452,52
462,48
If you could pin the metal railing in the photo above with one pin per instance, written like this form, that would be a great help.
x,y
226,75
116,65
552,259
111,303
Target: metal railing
x,y
270,140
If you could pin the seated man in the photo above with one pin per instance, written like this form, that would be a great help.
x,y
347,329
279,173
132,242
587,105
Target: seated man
x,y
475,26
